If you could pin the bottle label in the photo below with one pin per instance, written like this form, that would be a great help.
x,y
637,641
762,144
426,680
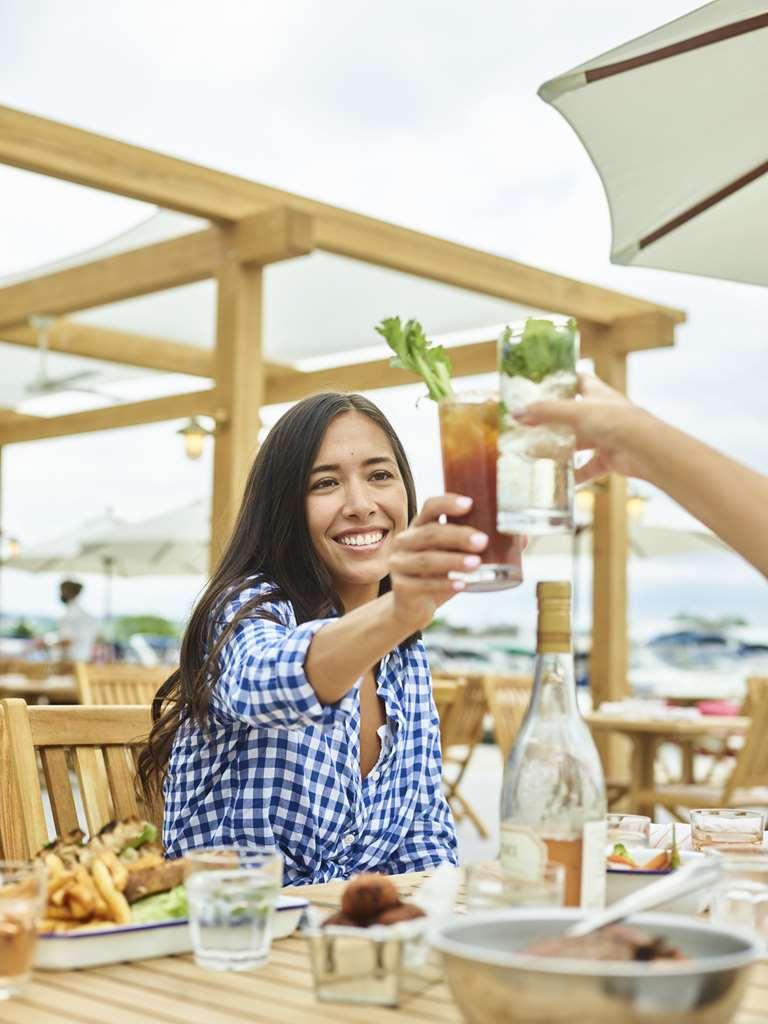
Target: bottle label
x,y
593,876
522,854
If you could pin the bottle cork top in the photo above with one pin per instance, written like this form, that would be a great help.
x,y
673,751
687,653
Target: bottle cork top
x,y
554,625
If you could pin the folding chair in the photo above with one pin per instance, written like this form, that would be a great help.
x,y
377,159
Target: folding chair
x,y
101,744
508,698
747,784
461,734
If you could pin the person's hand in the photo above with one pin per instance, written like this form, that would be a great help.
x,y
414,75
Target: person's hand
x,y
424,554
604,420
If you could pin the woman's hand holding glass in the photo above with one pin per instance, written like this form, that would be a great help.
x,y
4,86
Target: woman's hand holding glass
x,y
426,553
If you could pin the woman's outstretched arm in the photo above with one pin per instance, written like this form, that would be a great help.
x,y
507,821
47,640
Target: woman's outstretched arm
x,y
729,498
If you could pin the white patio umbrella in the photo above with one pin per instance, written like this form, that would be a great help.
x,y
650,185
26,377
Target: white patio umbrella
x,y
645,541
675,124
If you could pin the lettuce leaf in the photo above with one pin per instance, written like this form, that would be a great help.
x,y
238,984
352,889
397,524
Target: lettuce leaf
x,y
163,906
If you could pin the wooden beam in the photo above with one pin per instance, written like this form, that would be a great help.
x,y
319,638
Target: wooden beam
x,y
609,662
11,416
264,238
130,414
240,390
73,338
122,276
278,234
413,253
47,147
286,385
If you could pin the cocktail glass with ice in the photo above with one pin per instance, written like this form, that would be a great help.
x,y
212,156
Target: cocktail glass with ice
x,y
469,432
537,363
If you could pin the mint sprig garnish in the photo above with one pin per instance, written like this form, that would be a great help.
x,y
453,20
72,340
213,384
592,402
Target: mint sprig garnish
x,y
414,352
544,348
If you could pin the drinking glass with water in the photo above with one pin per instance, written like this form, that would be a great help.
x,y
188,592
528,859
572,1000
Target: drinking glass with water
x,y
232,896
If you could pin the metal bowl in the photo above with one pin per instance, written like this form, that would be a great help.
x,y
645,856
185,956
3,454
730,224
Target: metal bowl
x,y
494,984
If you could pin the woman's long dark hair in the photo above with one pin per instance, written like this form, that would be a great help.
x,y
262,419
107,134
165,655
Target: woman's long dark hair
x,y
270,541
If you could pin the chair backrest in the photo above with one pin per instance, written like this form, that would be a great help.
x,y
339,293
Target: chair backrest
x,y
118,683
751,768
445,691
100,744
464,727
755,685
508,698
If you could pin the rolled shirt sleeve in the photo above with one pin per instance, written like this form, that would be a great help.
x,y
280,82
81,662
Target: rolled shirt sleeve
x,y
262,681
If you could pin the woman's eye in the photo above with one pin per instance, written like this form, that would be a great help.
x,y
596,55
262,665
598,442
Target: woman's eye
x,y
323,484
382,474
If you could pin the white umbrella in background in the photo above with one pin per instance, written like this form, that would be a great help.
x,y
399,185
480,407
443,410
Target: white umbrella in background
x,y
675,124
645,541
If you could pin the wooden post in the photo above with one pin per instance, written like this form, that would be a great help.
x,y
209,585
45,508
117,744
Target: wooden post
x,y
608,659
239,373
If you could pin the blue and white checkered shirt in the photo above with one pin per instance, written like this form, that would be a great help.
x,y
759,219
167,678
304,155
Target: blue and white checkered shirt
x,y
283,770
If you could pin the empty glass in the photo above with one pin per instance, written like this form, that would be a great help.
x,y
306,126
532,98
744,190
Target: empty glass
x,y
728,830
629,829
489,887
741,898
22,897
232,896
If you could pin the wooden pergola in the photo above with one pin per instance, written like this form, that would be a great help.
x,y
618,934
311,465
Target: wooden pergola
x,y
251,227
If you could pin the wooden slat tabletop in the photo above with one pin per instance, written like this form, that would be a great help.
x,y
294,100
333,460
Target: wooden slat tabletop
x,y
176,991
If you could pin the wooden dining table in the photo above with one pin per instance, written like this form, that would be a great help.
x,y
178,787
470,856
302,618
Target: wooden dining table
x,y
56,689
647,732
174,990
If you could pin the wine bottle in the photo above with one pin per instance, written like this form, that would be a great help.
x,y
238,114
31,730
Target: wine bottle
x,y
553,796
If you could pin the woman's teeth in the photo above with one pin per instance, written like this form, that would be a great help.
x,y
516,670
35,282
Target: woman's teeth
x,y
359,540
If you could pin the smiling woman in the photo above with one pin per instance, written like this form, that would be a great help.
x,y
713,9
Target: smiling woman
x,y
301,717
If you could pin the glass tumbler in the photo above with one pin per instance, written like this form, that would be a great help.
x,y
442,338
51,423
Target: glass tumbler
x,y
469,431
232,897
22,898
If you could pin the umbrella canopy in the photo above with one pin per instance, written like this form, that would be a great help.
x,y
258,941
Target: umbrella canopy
x,y
674,122
65,552
174,543
644,541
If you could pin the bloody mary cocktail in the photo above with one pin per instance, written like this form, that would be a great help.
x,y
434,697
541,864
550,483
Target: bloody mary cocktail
x,y
469,431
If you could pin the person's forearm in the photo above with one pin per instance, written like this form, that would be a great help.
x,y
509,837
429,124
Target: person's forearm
x,y
729,498
348,647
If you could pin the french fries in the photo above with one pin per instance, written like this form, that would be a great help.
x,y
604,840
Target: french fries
x,y
85,895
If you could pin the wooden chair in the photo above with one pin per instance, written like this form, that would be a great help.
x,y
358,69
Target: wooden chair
x,y
100,743
747,784
119,683
445,691
461,734
508,698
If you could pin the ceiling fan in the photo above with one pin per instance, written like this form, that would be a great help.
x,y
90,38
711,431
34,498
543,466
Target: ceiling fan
x,y
43,383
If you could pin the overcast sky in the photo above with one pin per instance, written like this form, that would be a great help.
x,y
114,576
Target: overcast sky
x,y
422,113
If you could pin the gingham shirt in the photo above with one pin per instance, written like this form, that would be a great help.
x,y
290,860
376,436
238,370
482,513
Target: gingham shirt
x,y
283,770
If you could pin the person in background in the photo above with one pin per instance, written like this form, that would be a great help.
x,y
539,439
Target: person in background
x,y
77,628
724,495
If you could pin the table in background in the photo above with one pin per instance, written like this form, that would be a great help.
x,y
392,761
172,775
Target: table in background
x,y
647,732
52,690
176,991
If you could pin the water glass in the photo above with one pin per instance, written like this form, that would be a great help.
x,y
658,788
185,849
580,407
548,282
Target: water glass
x,y
537,363
728,830
489,887
22,898
741,898
469,432
629,829
232,896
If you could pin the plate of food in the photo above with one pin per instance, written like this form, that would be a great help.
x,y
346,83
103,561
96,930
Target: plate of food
x,y
114,897
632,867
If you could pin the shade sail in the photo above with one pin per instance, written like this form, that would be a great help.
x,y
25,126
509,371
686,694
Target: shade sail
x,y
645,541
675,124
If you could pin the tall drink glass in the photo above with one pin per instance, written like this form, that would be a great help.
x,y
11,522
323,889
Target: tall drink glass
x,y
537,363
22,897
469,431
